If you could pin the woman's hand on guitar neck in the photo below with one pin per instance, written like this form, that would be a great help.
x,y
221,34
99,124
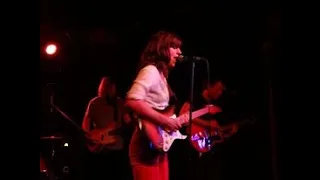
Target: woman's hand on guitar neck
x,y
172,124
183,119
177,123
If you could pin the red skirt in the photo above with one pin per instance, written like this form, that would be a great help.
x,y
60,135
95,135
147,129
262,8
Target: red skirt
x,y
147,163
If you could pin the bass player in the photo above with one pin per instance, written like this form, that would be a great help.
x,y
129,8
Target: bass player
x,y
105,113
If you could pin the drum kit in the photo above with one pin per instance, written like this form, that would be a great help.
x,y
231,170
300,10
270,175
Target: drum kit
x,y
52,152
48,162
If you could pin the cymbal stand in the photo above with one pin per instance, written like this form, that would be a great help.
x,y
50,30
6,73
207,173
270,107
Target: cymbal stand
x,y
51,111
54,107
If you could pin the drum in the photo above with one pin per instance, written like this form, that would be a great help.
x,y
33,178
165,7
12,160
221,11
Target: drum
x,y
54,158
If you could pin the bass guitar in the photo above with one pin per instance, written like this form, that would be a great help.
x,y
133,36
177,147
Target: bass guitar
x,y
203,139
106,138
159,136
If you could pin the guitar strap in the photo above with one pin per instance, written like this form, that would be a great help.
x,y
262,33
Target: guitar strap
x,y
173,100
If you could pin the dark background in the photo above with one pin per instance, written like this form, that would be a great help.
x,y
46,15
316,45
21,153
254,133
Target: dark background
x,y
240,39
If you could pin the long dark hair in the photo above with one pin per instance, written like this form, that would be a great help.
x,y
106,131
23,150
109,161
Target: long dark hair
x,y
106,83
157,51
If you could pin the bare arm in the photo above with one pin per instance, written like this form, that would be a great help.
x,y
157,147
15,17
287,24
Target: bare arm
x,y
86,124
144,110
135,99
146,78
123,112
93,112
86,120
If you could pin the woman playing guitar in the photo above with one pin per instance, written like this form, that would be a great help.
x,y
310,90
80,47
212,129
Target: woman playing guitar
x,y
149,98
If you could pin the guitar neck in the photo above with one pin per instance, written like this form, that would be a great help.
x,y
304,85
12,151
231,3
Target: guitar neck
x,y
200,112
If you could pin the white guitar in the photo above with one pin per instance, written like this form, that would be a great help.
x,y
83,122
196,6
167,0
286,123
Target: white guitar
x,y
160,137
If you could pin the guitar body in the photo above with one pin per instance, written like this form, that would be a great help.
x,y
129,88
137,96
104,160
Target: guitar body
x,y
104,138
159,137
163,139
203,139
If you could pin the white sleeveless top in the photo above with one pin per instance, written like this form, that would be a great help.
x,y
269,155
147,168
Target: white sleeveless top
x,y
150,86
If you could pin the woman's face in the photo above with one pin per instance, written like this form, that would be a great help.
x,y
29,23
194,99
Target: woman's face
x,y
174,54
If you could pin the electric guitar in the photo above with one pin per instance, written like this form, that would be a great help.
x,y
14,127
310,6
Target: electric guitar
x,y
108,138
203,138
163,138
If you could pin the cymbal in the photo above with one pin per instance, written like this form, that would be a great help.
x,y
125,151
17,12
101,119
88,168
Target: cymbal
x,y
51,137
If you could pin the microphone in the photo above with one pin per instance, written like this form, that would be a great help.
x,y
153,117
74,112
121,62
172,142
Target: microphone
x,y
191,58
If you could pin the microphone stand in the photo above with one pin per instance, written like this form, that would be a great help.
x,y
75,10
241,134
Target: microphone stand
x,y
192,89
191,96
191,103
56,108
51,97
